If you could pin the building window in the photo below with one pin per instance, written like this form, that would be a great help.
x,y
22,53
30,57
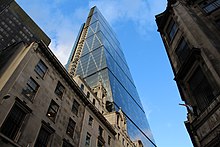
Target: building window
x,y
52,110
59,90
218,22
123,141
88,94
75,107
90,120
82,87
41,68
88,138
43,136
182,50
172,29
100,143
66,143
118,136
14,121
93,101
100,131
201,89
210,5
117,120
70,128
31,89
109,140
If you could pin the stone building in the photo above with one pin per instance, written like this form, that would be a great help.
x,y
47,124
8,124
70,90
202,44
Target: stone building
x,y
190,31
40,104
37,100
117,119
96,129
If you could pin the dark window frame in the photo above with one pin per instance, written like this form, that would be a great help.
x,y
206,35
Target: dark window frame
x,y
52,110
117,119
66,143
82,87
88,139
217,21
30,89
42,138
71,127
44,135
182,50
200,89
210,6
171,29
59,90
13,123
93,101
101,131
90,121
75,107
100,143
109,140
88,94
41,68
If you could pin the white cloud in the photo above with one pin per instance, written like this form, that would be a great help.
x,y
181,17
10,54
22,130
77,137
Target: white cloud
x,y
62,27
139,12
123,10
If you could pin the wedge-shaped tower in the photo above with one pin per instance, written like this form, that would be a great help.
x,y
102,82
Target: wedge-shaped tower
x,y
97,56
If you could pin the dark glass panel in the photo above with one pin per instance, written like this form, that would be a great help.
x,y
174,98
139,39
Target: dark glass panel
x,y
52,110
172,29
13,122
75,107
182,50
71,127
41,68
210,5
88,138
31,88
201,89
59,89
66,144
43,138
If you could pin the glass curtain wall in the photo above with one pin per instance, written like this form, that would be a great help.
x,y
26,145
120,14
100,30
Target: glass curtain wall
x,y
102,59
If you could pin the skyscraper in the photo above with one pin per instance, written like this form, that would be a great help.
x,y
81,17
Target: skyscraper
x,y
97,57
190,31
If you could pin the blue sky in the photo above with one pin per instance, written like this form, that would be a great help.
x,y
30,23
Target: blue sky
x,y
134,24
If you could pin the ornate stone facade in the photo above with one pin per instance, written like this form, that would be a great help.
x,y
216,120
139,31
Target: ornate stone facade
x,y
190,32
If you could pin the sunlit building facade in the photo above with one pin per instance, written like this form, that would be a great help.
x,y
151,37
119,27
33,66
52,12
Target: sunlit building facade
x,y
97,57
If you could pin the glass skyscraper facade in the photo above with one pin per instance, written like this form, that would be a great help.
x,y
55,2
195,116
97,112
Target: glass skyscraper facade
x,y
97,56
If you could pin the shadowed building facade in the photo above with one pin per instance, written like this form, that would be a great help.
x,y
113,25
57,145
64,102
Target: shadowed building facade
x,y
16,26
190,31
97,57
